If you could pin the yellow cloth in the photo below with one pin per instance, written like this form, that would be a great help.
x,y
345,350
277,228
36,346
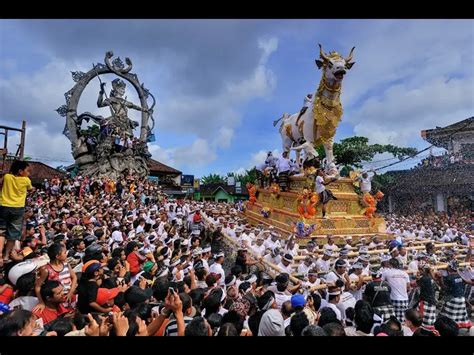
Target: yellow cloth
x,y
14,190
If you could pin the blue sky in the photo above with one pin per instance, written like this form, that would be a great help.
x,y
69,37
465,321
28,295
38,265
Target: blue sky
x,y
221,83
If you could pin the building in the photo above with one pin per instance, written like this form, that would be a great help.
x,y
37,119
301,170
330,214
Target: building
x,y
222,192
39,171
457,139
440,183
167,177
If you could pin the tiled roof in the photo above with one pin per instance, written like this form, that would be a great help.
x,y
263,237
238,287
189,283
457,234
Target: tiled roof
x,y
157,167
39,171
211,189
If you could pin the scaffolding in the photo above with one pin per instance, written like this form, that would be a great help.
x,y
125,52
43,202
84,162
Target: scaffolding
x,y
19,154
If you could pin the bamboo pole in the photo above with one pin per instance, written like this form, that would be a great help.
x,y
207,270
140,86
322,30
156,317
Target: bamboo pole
x,y
369,278
272,266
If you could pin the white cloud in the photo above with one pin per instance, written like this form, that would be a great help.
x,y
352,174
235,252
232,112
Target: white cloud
x,y
399,114
240,171
197,155
224,137
260,156
40,143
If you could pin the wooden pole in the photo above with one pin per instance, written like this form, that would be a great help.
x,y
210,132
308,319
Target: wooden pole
x,y
22,142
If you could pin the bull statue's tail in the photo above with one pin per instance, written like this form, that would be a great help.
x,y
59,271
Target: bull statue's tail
x,y
278,120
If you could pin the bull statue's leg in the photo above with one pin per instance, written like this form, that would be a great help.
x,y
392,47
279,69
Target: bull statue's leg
x,y
328,148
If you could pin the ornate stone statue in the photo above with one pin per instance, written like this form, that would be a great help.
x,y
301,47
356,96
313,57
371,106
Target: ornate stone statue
x,y
119,121
111,149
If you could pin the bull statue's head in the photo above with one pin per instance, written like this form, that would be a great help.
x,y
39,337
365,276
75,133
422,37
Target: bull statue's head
x,y
334,65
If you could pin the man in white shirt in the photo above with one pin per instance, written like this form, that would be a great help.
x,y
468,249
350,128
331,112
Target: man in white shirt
x,y
259,248
366,181
334,296
357,281
273,257
324,194
272,242
285,264
420,230
245,237
339,273
237,233
216,268
324,263
283,169
305,266
330,245
399,282
365,261
281,289
312,280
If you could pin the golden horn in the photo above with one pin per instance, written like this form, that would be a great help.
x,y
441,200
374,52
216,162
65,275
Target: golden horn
x,y
321,53
349,58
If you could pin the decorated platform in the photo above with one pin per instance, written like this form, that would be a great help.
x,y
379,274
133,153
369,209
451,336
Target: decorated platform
x,y
297,211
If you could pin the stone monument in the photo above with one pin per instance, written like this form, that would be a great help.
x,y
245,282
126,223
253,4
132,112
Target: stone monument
x,y
112,149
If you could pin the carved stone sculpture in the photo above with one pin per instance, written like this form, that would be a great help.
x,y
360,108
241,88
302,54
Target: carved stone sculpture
x,y
111,150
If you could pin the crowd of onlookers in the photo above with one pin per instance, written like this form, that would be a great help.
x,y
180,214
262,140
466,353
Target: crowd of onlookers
x,y
97,257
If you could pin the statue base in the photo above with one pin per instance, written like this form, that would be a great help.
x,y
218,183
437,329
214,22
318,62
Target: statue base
x,y
344,216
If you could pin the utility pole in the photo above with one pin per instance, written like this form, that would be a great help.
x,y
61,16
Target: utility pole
x,y
21,147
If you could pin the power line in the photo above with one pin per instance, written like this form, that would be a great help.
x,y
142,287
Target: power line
x,y
423,150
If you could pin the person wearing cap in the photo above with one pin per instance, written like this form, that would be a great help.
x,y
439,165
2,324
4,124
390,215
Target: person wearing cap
x,y
455,303
312,279
230,230
339,273
399,282
334,296
402,255
272,256
258,248
272,241
305,266
348,241
291,246
92,273
330,244
344,255
377,293
285,264
366,267
206,254
309,250
217,268
244,237
357,281
324,262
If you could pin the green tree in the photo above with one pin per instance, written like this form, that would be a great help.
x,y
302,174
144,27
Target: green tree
x,y
91,131
382,181
249,176
354,151
212,179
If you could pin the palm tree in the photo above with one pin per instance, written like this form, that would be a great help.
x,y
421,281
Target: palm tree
x,y
212,179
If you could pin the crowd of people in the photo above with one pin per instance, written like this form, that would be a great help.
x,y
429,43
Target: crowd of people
x,y
96,257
